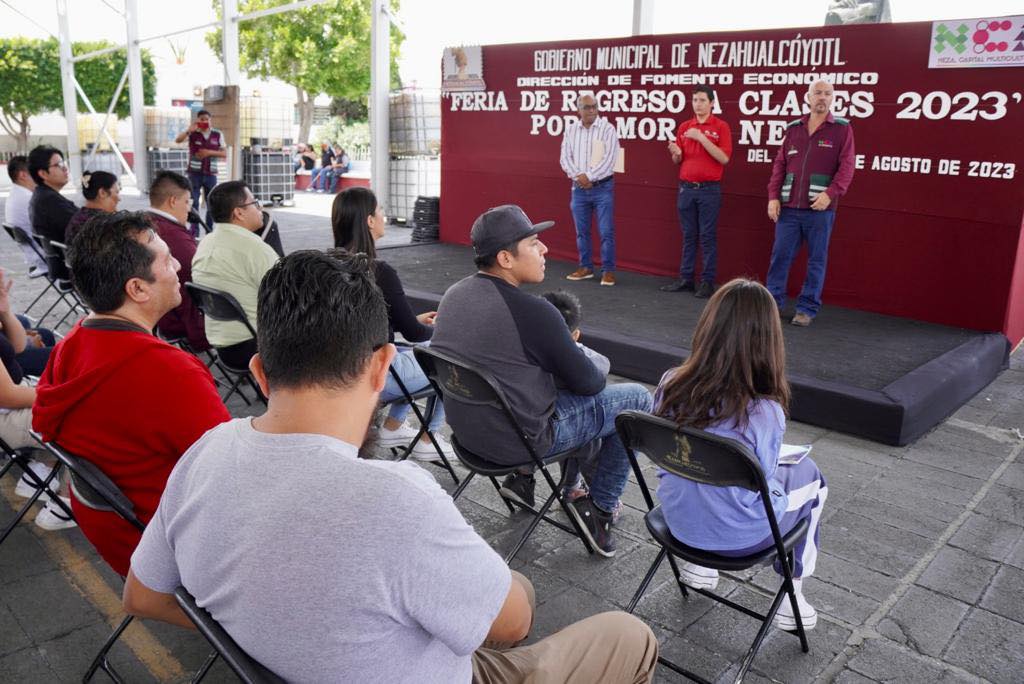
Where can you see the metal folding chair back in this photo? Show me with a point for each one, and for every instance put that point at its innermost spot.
(457, 380)
(248, 669)
(715, 461)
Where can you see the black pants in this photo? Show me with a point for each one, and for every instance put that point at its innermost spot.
(238, 355)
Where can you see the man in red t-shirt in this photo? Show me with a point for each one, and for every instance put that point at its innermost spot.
(112, 392)
(702, 148)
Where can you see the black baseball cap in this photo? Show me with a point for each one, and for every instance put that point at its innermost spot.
(501, 226)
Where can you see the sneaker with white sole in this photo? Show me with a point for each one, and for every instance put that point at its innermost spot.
(425, 451)
(399, 438)
(697, 576)
(51, 517)
(785, 620)
(26, 487)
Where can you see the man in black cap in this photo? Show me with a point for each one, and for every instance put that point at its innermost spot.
(558, 396)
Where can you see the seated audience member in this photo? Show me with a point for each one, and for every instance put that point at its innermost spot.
(16, 210)
(170, 198)
(102, 192)
(569, 306)
(233, 258)
(523, 341)
(734, 385)
(38, 347)
(49, 210)
(304, 158)
(115, 394)
(358, 222)
(400, 592)
(16, 399)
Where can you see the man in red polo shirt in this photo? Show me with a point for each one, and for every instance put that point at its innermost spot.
(702, 148)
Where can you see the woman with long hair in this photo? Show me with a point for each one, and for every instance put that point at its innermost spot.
(102, 192)
(358, 221)
(734, 385)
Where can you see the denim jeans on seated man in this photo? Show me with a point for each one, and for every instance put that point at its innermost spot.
(599, 199)
(579, 420)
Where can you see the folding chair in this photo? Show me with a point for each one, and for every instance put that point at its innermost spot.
(243, 665)
(423, 417)
(459, 381)
(716, 461)
(97, 491)
(222, 306)
(64, 284)
(22, 238)
(21, 458)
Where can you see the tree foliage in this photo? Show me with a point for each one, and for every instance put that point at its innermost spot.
(324, 49)
(30, 81)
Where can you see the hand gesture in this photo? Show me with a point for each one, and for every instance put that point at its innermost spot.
(5, 289)
(583, 181)
(193, 127)
(821, 202)
(774, 208)
(674, 150)
(694, 134)
(34, 339)
(427, 318)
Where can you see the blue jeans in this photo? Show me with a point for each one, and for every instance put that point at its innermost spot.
(698, 216)
(334, 177)
(794, 227)
(600, 199)
(579, 420)
(201, 183)
(414, 380)
(319, 175)
(33, 359)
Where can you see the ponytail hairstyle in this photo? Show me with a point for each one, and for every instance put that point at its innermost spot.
(94, 181)
(738, 355)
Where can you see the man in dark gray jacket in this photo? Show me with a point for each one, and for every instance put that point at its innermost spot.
(523, 341)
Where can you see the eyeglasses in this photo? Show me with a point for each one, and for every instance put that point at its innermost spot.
(247, 204)
(60, 165)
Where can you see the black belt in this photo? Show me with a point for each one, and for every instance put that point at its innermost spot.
(595, 183)
(697, 186)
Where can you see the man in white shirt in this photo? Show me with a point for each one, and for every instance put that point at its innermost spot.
(16, 210)
(589, 150)
(326, 567)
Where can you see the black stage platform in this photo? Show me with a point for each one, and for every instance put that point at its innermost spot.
(884, 378)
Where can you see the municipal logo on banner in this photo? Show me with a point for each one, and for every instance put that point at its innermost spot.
(965, 43)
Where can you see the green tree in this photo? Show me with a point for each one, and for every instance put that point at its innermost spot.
(30, 81)
(321, 49)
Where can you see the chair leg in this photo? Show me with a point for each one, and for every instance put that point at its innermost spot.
(458, 490)
(791, 591)
(556, 489)
(205, 669)
(101, 661)
(497, 488)
(679, 577)
(748, 659)
(647, 580)
(538, 516)
(41, 485)
(35, 301)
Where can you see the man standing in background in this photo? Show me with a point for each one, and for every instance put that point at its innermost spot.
(812, 170)
(205, 146)
(702, 148)
(589, 151)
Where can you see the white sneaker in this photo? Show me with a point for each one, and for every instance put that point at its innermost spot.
(400, 438)
(785, 620)
(51, 517)
(26, 487)
(425, 451)
(698, 577)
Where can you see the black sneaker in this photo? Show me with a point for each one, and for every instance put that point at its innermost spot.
(519, 487)
(596, 524)
(678, 286)
(705, 290)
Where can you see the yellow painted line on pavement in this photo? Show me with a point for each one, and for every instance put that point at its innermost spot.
(86, 579)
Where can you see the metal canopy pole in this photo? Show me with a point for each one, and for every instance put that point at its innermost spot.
(136, 94)
(643, 17)
(67, 82)
(380, 83)
(229, 42)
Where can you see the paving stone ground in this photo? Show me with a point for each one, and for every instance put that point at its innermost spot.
(921, 577)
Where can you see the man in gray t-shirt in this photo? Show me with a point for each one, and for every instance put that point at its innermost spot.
(327, 567)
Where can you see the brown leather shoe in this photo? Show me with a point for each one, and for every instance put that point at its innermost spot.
(608, 279)
(581, 274)
(801, 319)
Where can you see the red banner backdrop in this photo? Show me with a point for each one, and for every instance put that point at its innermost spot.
(930, 229)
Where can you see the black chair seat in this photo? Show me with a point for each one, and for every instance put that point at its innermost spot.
(658, 527)
(492, 469)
